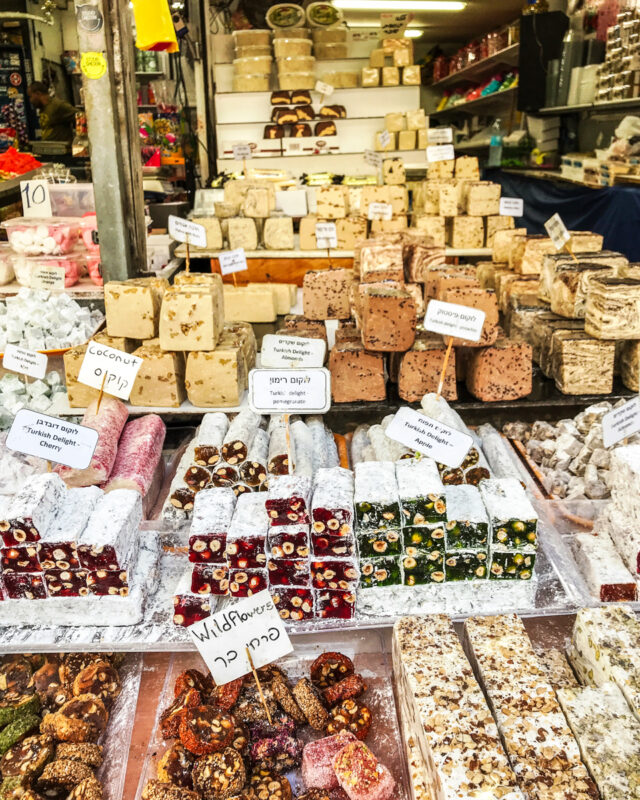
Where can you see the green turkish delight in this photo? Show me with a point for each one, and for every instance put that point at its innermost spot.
(22, 706)
(379, 543)
(383, 571)
(376, 496)
(511, 565)
(422, 539)
(421, 492)
(467, 524)
(466, 565)
(423, 568)
(17, 730)
(13, 787)
(514, 521)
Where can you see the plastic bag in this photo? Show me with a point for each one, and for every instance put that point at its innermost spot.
(154, 26)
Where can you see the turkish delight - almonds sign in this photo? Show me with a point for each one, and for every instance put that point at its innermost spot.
(187, 232)
(619, 423)
(252, 623)
(232, 261)
(25, 362)
(52, 438)
(326, 235)
(119, 367)
(453, 319)
(290, 391)
(429, 437)
(293, 352)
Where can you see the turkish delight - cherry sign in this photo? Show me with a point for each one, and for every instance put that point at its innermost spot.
(52, 438)
(223, 638)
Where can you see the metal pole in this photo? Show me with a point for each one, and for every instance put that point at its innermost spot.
(105, 34)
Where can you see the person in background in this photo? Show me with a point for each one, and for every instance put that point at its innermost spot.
(57, 117)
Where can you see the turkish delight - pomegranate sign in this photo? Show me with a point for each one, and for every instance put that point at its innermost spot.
(119, 367)
(621, 422)
(290, 391)
(52, 438)
(223, 638)
(452, 319)
(445, 445)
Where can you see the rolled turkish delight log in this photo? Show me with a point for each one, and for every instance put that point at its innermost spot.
(110, 539)
(289, 499)
(332, 506)
(421, 492)
(179, 503)
(33, 510)
(224, 475)
(139, 454)
(238, 438)
(253, 471)
(58, 544)
(303, 446)
(247, 535)
(387, 449)
(325, 451)
(502, 460)
(361, 445)
(108, 422)
(209, 438)
(282, 454)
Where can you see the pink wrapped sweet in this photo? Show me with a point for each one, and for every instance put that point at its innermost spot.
(89, 232)
(317, 760)
(361, 775)
(94, 268)
(139, 455)
(35, 237)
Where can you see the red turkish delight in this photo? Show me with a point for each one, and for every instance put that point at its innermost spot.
(293, 603)
(247, 582)
(327, 546)
(33, 510)
(317, 760)
(335, 604)
(21, 559)
(108, 582)
(288, 572)
(210, 579)
(332, 507)
(66, 582)
(94, 557)
(361, 775)
(247, 552)
(288, 499)
(208, 548)
(61, 555)
(289, 541)
(188, 608)
(334, 573)
(24, 585)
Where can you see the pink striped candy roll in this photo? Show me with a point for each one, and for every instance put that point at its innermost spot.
(139, 453)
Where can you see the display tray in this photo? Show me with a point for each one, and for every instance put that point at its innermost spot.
(60, 351)
(84, 289)
(369, 652)
(186, 409)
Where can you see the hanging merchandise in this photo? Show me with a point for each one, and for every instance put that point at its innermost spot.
(154, 26)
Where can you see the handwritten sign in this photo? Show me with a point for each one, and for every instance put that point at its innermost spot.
(290, 391)
(232, 261)
(511, 206)
(326, 235)
(223, 638)
(120, 368)
(394, 24)
(241, 152)
(52, 438)
(36, 200)
(440, 135)
(49, 278)
(372, 158)
(621, 422)
(325, 89)
(440, 152)
(428, 436)
(183, 230)
(384, 138)
(380, 211)
(292, 351)
(451, 319)
(557, 231)
(26, 362)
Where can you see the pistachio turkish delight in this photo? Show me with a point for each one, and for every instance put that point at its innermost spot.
(514, 521)
(420, 491)
(376, 497)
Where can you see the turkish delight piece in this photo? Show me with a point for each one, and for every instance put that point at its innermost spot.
(247, 533)
(24, 585)
(514, 521)
(58, 544)
(557, 667)
(253, 471)
(208, 548)
(325, 294)
(103, 582)
(66, 582)
(606, 576)
(376, 496)
(610, 311)
(209, 439)
(361, 775)
(388, 319)
(108, 421)
(420, 491)
(423, 539)
(326, 546)
(108, 541)
(139, 455)
(59, 555)
(383, 571)
(288, 572)
(197, 478)
(282, 453)
(466, 565)
(325, 454)
(467, 525)
(334, 573)
(210, 579)
(33, 510)
(180, 497)
(509, 564)
(247, 582)
(303, 447)
(212, 514)
(500, 372)
(332, 505)
(239, 436)
(189, 607)
(20, 559)
(294, 603)
(356, 373)
(335, 603)
(289, 499)
(379, 543)
(289, 541)
(423, 568)
(317, 760)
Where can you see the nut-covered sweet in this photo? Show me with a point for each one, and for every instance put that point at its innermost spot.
(49, 687)
(16, 678)
(172, 716)
(66, 729)
(88, 789)
(73, 663)
(155, 790)
(267, 785)
(27, 758)
(100, 679)
(86, 753)
(206, 729)
(241, 739)
(219, 775)
(330, 668)
(192, 679)
(64, 773)
(350, 716)
(175, 767)
(308, 700)
(348, 688)
(286, 700)
(226, 696)
(89, 708)
(249, 707)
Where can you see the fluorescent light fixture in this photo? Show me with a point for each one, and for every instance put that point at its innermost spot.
(412, 33)
(399, 5)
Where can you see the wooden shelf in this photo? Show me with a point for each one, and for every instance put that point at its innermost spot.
(476, 73)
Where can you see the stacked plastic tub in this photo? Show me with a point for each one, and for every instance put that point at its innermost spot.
(253, 61)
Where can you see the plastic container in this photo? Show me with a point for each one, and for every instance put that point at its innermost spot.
(323, 36)
(252, 50)
(50, 236)
(296, 64)
(71, 199)
(299, 33)
(73, 265)
(326, 50)
(257, 65)
(251, 83)
(94, 268)
(323, 15)
(297, 80)
(6, 267)
(89, 233)
(251, 37)
(292, 47)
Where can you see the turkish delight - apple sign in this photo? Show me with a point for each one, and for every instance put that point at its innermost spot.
(621, 422)
(429, 437)
(453, 319)
(290, 391)
(119, 367)
(223, 638)
(52, 438)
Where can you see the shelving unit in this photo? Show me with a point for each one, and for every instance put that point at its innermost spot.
(613, 105)
(476, 73)
(483, 105)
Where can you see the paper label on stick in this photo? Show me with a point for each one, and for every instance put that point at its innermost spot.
(49, 278)
(440, 152)
(52, 438)
(26, 362)
(223, 638)
(326, 235)
(323, 88)
(372, 158)
(440, 135)
(290, 391)
(380, 211)
(182, 230)
(241, 152)
(621, 422)
(291, 351)
(120, 368)
(384, 138)
(511, 206)
(232, 261)
(36, 200)
(451, 319)
(557, 231)
(428, 436)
